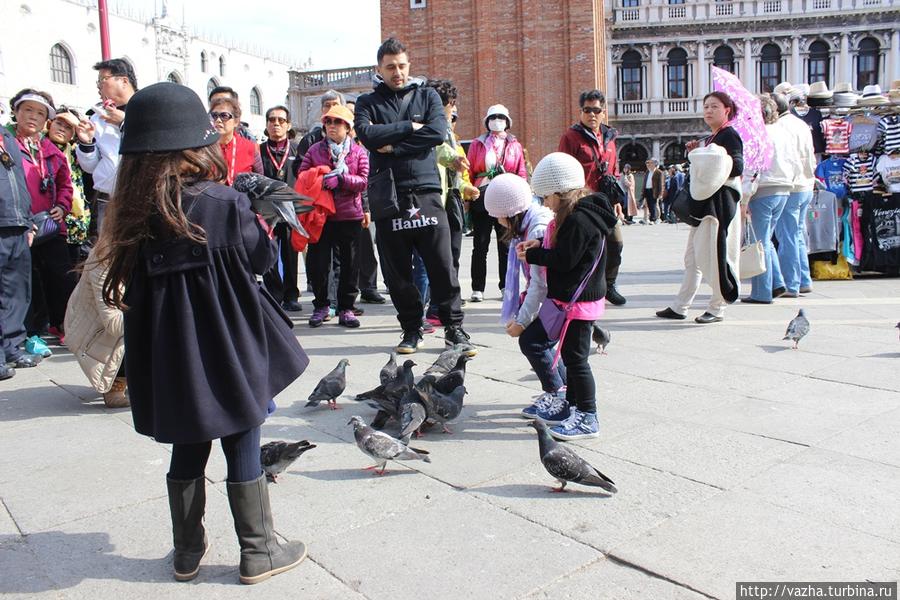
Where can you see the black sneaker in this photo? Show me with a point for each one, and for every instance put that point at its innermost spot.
(410, 342)
(613, 295)
(291, 306)
(455, 335)
(371, 297)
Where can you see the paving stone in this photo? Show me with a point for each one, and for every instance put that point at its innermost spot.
(875, 440)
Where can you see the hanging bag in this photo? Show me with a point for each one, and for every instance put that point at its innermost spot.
(553, 316)
(753, 255)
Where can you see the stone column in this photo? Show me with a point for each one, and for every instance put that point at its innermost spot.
(749, 74)
(655, 73)
(894, 72)
(796, 63)
(845, 65)
(702, 70)
(655, 152)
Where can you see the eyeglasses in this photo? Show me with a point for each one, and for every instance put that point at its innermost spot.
(277, 120)
(591, 110)
(329, 121)
(100, 80)
(223, 116)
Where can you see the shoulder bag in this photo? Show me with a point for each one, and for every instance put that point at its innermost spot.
(753, 255)
(553, 317)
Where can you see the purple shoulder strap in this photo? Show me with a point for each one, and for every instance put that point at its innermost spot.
(584, 281)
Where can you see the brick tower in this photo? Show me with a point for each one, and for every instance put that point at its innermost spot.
(534, 56)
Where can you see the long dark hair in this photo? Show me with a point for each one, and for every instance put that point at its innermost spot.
(567, 203)
(514, 229)
(146, 204)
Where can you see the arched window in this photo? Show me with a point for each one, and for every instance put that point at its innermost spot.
(255, 102)
(867, 63)
(674, 154)
(769, 68)
(819, 62)
(676, 74)
(633, 154)
(631, 80)
(61, 65)
(173, 77)
(211, 85)
(723, 57)
(204, 62)
(222, 66)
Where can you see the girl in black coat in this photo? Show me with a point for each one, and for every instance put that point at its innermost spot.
(206, 347)
(574, 253)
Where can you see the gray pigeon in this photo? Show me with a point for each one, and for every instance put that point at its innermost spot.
(331, 386)
(601, 337)
(389, 370)
(447, 360)
(412, 415)
(274, 200)
(278, 456)
(382, 447)
(443, 407)
(450, 381)
(797, 328)
(565, 465)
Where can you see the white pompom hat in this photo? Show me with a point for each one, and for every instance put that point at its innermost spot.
(507, 195)
(557, 172)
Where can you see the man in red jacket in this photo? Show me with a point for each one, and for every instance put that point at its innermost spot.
(593, 144)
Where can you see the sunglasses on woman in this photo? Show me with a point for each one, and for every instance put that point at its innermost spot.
(334, 122)
(224, 116)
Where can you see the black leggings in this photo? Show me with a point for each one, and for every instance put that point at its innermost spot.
(241, 454)
(580, 387)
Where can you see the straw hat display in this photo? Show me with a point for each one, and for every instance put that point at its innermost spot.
(872, 96)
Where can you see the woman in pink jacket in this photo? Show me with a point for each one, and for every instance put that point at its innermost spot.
(49, 183)
(347, 180)
(490, 154)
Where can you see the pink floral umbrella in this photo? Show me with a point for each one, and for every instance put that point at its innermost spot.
(749, 123)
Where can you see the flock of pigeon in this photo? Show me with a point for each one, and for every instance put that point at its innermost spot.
(437, 399)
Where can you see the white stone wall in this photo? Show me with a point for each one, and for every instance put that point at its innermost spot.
(155, 49)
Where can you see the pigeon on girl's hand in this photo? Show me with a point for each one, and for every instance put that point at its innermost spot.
(331, 386)
(601, 337)
(797, 328)
(562, 462)
(382, 447)
(278, 456)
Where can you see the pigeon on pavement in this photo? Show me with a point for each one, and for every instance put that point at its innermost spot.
(331, 386)
(601, 337)
(278, 456)
(447, 360)
(389, 370)
(561, 462)
(450, 381)
(412, 415)
(797, 328)
(382, 447)
(443, 407)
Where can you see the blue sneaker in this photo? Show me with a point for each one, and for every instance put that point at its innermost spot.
(541, 402)
(579, 425)
(35, 345)
(555, 413)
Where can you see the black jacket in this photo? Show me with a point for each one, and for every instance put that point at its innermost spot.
(15, 201)
(317, 134)
(378, 123)
(290, 166)
(206, 346)
(577, 243)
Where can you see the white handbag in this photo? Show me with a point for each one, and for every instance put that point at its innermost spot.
(753, 255)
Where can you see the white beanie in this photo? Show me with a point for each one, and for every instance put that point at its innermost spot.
(507, 195)
(498, 109)
(557, 172)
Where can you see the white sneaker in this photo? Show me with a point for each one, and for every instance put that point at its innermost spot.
(477, 296)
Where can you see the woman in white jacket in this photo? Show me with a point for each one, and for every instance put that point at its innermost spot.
(95, 335)
(767, 204)
(509, 199)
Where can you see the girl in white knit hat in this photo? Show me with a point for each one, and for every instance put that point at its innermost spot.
(573, 252)
(509, 200)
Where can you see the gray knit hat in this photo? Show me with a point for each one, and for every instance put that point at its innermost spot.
(557, 172)
(507, 195)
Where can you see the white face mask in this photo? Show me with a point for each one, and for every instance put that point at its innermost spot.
(497, 124)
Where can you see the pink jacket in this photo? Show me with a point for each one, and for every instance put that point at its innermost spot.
(348, 205)
(513, 161)
(56, 167)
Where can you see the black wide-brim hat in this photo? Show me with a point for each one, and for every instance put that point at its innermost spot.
(818, 102)
(165, 117)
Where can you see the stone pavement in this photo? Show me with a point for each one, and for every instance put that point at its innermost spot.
(736, 459)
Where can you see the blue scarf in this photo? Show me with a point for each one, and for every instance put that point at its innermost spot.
(338, 154)
(511, 300)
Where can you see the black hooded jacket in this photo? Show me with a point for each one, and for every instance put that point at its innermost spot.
(378, 123)
(577, 243)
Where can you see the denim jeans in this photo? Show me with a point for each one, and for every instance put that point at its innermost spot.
(791, 242)
(420, 278)
(805, 277)
(764, 214)
(540, 354)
